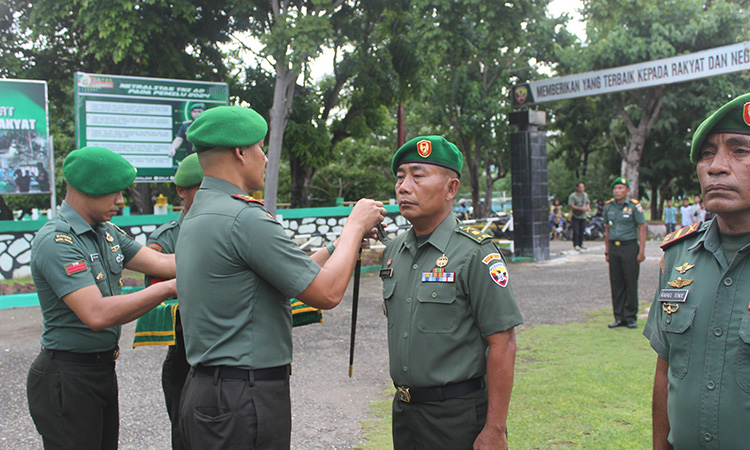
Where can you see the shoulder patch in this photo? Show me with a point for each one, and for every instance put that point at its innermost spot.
(63, 239)
(474, 234)
(156, 247)
(248, 199)
(121, 231)
(679, 235)
(634, 201)
(608, 201)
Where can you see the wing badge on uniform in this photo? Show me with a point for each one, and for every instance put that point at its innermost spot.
(680, 282)
(684, 268)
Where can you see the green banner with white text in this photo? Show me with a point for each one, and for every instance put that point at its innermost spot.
(24, 137)
(143, 119)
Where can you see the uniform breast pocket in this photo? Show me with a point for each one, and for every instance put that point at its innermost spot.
(743, 353)
(389, 286)
(438, 310)
(679, 329)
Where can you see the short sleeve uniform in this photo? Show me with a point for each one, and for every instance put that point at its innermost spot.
(623, 219)
(236, 271)
(705, 339)
(441, 298)
(69, 254)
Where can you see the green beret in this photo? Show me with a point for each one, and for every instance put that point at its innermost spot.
(227, 126)
(429, 150)
(98, 171)
(198, 105)
(620, 180)
(190, 172)
(733, 117)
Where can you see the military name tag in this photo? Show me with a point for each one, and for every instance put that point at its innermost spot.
(386, 273)
(673, 295)
(94, 257)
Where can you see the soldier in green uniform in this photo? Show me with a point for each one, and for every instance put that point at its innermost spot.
(237, 269)
(451, 312)
(625, 250)
(187, 180)
(77, 260)
(699, 322)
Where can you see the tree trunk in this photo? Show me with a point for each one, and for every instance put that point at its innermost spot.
(301, 179)
(283, 93)
(141, 195)
(5, 212)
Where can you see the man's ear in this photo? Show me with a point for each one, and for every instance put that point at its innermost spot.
(453, 184)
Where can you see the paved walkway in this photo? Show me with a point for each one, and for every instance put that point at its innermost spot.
(327, 405)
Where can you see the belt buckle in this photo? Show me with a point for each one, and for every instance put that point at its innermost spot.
(116, 354)
(618, 243)
(403, 394)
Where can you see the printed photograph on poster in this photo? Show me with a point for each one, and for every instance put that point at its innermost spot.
(24, 137)
(143, 119)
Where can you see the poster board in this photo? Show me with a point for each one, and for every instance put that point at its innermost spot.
(140, 118)
(24, 137)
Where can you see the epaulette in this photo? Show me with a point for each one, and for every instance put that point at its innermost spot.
(63, 226)
(608, 201)
(679, 235)
(634, 201)
(121, 231)
(474, 234)
(162, 229)
(248, 199)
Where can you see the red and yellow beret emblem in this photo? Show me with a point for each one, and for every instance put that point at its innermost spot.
(746, 113)
(424, 148)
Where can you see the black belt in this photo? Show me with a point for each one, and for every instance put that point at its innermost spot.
(619, 243)
(83, 358)
(271, 373)
(438, 394)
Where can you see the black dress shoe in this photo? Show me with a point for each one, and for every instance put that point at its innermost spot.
(616, 323)
(631, 324)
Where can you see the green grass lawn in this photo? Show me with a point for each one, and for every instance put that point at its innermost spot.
(577, 386)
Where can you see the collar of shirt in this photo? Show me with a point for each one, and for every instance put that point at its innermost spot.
(77, 223)
(221, 185)
(438, 239)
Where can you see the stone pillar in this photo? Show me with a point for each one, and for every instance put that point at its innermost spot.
(530, 186)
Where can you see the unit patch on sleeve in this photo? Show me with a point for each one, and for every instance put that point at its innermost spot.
(75, 267)
(499, 274)
(156, 247)
(63, 238)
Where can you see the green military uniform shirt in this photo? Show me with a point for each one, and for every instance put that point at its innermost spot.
(623, 219)
(580, 200)
(236, 270)
(164, 239)
(438, 316)
(705, 339)
(69, 254)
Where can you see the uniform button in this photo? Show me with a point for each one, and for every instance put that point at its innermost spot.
(405, 368)
(669, 319)
(707, 437)
(415, 267)
(406, 334)
(408, 299)
(727, 281)
(717, 332)
(434, 294)
(711, 385)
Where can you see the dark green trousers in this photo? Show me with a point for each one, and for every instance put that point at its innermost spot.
(74, 406)
(173, 374)
(624, 269)
(452, 424)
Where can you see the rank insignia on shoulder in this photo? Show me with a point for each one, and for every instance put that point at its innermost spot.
(63, 238)
(75, 267)
(248, 199)
(474, 234)
(679, 235)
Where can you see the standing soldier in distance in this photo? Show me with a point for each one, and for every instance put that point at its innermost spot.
(237, 269)
(699, 322)
(77, 260)
(187, 180)
(451, 312)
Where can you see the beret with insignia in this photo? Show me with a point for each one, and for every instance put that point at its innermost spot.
(733, 117)
(620, 180)
(189, 173)
(429, 150)
(227, 126)
(98, 171)
(197, 106)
